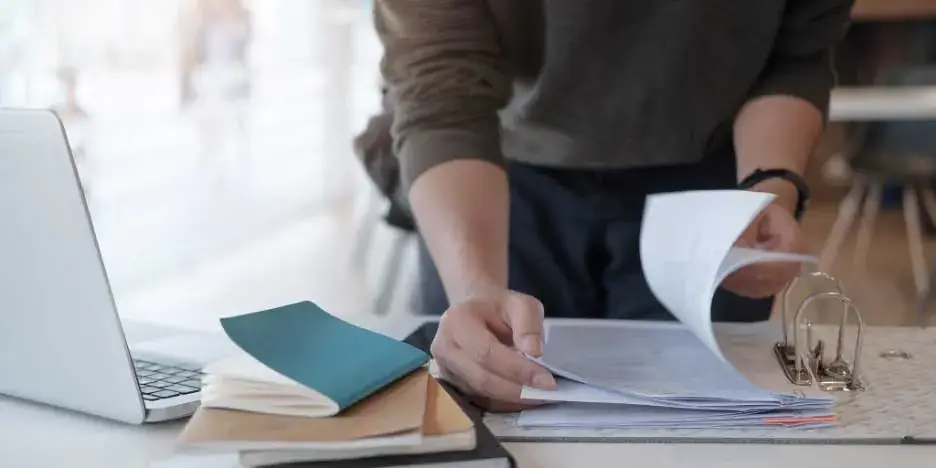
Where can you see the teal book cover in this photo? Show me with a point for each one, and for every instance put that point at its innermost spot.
(340, 360)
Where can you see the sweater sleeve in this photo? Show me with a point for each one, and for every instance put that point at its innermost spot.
(801, 63)
(447, 79)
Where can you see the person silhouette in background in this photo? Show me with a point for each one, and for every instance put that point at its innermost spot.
(530, 132)
(215, 73)
(216, 38)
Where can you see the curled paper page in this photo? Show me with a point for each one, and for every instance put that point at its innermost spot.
(687, 250)
(690, 374)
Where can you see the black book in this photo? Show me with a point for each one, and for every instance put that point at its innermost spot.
(488, 453)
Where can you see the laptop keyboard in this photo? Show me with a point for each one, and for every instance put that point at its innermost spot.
(161, 381)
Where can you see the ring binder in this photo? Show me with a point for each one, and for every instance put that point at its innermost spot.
(806, 364)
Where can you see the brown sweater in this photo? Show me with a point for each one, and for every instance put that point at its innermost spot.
(593, 83)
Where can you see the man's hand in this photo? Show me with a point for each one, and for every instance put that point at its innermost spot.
(775, 230)
(480, 344)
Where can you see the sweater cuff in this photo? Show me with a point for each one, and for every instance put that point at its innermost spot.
(421, 151)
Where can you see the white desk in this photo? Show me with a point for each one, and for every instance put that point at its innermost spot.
(875, 103)
(37, 436)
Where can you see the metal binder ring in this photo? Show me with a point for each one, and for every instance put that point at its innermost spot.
(784, 299)
(839, 362)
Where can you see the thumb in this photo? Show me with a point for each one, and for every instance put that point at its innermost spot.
(524, 316)
(778, 231)
(749, 237)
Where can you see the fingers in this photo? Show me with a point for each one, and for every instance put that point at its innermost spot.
(483, 349)
(750, 235)
(512, 403)
(779, 231)
(468, 348)
(783, 234)
(775, 230)
(479, 382)
(524, 315)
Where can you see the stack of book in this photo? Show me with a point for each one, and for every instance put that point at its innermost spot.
(313, 390)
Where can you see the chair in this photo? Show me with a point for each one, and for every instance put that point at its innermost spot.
(398, 217)
(900, 152)
(374, 150)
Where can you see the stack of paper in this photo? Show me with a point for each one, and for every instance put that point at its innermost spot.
(629, 374)
(310, 387)
(679, 375)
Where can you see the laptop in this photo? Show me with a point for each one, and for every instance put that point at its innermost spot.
(61, 340)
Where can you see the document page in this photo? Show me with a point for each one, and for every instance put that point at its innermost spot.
(644, 361)
(687, 250)
(664, 364)
(686, 373)
(665, 361)
(740, 257)
(646, 417)
(639, 374)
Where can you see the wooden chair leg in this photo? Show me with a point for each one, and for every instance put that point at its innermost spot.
(848, 211)
(911, 205)
(924, 300)
(872, 205)
(929, 204)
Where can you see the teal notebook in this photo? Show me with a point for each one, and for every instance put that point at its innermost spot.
(301, 360)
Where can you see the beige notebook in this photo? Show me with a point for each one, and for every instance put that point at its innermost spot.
(446, 428)
(391, 417)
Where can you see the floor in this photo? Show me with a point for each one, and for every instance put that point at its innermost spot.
(222, 209)
(883, 290)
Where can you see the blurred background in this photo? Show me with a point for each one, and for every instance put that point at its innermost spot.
(213, 139)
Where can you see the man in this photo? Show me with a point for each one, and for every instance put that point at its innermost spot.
(529, 133)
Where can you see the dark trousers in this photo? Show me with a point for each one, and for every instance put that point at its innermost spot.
(574, 241)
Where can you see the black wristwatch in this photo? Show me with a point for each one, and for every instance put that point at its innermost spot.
(802, 188)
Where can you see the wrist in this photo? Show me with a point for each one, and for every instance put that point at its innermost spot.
(789, 188)
(786, 194)
(477, 288)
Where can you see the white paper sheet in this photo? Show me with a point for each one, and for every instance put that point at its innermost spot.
(687, 374)
(627, 417)
(740, 257)
(687, 249)
(659, 360)
(570, 391)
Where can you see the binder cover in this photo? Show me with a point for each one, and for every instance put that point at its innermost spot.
(897, 405)
(890, 399)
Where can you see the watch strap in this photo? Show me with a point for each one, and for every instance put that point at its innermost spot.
(802, 188)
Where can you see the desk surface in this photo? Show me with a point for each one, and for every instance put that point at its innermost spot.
(38, 436)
